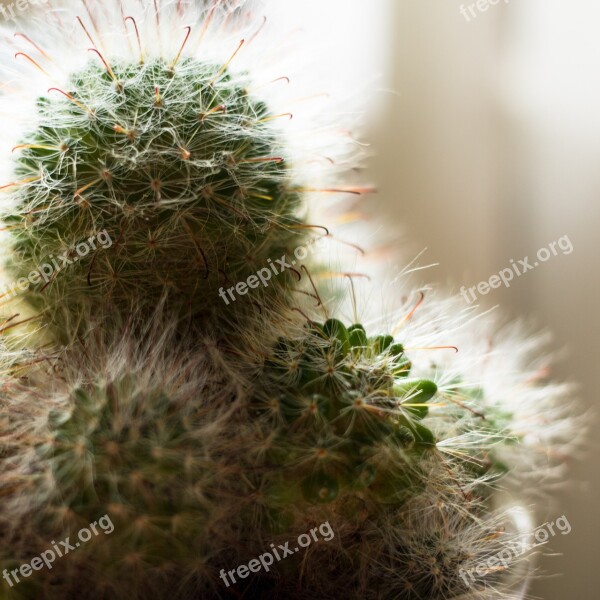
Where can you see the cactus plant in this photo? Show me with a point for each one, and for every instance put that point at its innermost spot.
(176, 162)
(212, 432)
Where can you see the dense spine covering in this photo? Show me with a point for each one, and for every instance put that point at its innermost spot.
(177, 164)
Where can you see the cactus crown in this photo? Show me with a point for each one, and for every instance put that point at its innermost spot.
(178, 164)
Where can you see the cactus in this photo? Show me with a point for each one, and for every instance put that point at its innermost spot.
(180, 168)
(337, 407)
(127, 434)
(211, 432)
(199, 470)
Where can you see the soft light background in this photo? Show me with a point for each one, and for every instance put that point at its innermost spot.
(490, 151)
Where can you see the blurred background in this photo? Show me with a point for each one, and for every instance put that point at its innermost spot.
(484, 121)
(491, 151)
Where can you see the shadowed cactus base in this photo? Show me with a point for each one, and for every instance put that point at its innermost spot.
(199, 472)
(144, 436)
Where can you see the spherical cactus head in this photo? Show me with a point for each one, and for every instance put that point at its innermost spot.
(349, 418)
(151, 181)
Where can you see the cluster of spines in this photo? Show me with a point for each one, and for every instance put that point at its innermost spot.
(341, 400)
(181, 167)
(135, 433)
(351, 436)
